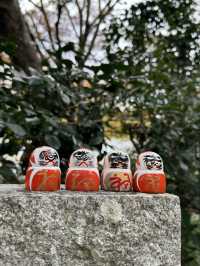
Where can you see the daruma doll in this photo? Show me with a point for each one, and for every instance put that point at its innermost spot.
(83, 174)
(116, 174)
(149, 176)
(43, 173)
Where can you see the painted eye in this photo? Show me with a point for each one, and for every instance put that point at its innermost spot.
(114, 156)
(124, 158)
(78, 154)
(41, 156)
(44, 155)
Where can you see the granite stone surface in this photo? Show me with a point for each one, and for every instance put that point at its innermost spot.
(77, 228)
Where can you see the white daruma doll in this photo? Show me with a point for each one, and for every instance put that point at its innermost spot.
(149, 176)
(43, 173)
(116, 174)
(83, 174)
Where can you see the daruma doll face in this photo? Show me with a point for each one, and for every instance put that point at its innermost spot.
(150, 161)
(83, 158)
(43, 173)
(118, 160)
(44, 156)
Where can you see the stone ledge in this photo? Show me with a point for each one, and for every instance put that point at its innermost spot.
(86, 228)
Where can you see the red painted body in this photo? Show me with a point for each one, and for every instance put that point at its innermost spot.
(82, 180)
(41, 179)
(150, 183)
(117, 181)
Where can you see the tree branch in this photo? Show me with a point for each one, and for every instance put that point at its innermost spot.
(38, 36)
(34, 4)
(92, 42)
(34, 41)
(80, 18)
(104, 12)
(88, 12)
(135, 144)
(71, 21)
(59, 14)
(87, 24)
(36, 31)
(47, 24)
(99, 5)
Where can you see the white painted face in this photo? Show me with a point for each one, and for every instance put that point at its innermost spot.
(119, 160)
(83, 158)
(149, 161)
(44, 156)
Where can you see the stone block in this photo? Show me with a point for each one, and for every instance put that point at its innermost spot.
(88, 228)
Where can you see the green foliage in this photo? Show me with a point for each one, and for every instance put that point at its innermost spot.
(153, 56)
(8, 46)
(40, 110)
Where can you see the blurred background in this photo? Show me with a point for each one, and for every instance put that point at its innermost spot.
(105, 74)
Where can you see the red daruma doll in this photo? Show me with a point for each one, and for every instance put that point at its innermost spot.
(83, 174)
(116, 175)
(149, 176)
(43, 173)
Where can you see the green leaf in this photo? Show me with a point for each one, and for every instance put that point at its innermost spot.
(53, 141)
(65, 98)
(18, 130)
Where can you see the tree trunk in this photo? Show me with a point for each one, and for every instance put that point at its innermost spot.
(13, 30)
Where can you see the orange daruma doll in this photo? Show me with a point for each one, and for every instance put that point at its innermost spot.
(43, 173)
(116, 175)
(149, 176)
(83, 174)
